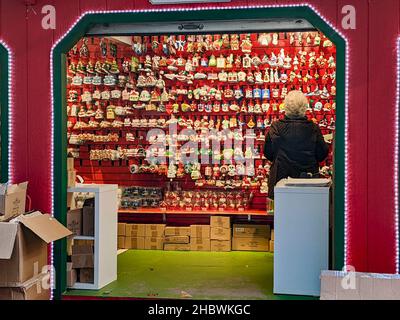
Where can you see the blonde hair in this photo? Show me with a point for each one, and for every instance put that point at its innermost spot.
(295, 104)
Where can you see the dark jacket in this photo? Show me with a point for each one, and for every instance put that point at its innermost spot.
(294, 146)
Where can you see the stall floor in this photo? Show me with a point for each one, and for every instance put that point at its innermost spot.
(190, 275)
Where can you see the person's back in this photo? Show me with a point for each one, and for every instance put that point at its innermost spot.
(294, 144)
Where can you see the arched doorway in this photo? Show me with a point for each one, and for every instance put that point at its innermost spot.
(59, 164)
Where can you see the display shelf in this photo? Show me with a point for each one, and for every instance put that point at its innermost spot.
(83, 238)
(208, 212)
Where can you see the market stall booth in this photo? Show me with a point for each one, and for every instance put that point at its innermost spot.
(366, 224)
(175, 114)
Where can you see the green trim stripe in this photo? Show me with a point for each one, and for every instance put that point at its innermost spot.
(4, 105)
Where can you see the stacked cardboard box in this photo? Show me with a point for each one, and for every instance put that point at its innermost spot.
(83, 261)
(251, 237)
(74, 221)
(200, 238)
(177, 238)
(271, 242)
(154, 237)
(71, 173)
(131, 236)
(23, 256)
(220, 233)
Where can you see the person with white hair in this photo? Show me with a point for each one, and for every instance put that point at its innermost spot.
(294, 144)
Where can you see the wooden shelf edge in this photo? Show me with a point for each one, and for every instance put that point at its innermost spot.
(183, 212)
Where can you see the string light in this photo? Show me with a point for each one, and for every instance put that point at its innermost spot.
(346, 138)
(396, 158)
(10, 110)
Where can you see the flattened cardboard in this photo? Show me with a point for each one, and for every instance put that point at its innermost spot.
(8, 232)
(88, 221)
(72, 275)
(271, 245)
(46, 227)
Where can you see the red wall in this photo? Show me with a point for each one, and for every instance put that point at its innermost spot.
(371, 108)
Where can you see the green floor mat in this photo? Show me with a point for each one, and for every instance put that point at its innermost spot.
(194, 275)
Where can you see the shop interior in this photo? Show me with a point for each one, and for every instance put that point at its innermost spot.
(196, 228)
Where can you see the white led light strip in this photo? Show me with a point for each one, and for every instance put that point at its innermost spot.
(346, 186)
(396, 158)
(10, 110)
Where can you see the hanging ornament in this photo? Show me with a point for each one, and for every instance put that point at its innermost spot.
(84, 50)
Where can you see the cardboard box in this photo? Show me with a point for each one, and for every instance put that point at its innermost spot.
(134, 243)
(70, 164)
(121, 242)
(272, 234)
(88, 221)
(121, 229)
(271, 245)
(32, 289)
(200, 244)
(155, 230)
(71, 179)
(71, 204)
(220, 222)
(135, 230)
(82, 260)
(176, 246)
(176, 239)
(220, 245)
(72, 275)
(74, 221)
(251, 231)
(177, 231)
(23, 246)
(200, 231)
(154, 243)
(250, 244)
(86, 275)
(12, 200)
(220, 234)
(70, 243)
(82, 248)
